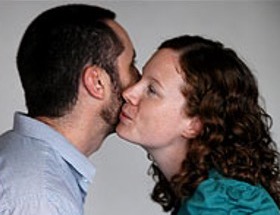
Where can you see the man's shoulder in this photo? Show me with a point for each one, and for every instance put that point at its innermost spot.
(23, 155)
(33, 173)
(30, 166)
(39, 204)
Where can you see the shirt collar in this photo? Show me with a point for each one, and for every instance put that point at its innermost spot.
(28, 126)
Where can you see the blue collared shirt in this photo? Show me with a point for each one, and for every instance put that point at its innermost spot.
(41, 173)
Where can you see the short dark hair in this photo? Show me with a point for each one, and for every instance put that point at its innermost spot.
(56, 47)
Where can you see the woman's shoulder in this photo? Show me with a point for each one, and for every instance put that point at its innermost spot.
(220, 195)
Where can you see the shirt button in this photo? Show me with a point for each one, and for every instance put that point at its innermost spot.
(85, 180)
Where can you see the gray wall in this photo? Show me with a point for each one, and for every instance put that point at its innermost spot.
(252, 28)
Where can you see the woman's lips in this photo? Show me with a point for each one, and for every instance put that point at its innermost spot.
(124, 116)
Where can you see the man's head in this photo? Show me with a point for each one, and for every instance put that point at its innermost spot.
(55, 50)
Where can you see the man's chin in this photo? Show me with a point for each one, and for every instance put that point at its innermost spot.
(111, 125)
(112, 129)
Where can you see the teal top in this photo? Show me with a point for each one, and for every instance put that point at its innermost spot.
(218, 195)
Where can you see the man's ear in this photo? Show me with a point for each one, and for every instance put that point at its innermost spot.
(93, 81)
(192, 128)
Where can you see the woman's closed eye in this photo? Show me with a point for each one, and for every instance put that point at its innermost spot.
(151, 90)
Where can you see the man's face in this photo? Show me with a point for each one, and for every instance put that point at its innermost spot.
(128, 75)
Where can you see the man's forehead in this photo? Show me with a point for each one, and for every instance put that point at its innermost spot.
(118, 29)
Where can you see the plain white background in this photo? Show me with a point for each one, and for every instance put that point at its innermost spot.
(121, 185)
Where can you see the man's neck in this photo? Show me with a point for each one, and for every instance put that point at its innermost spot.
(86, 135)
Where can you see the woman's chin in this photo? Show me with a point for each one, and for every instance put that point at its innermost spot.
(126, 136)
(122, 133)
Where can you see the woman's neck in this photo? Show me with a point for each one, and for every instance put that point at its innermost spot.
(169, 159)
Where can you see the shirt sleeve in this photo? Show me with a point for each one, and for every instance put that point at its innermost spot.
(32, 205)
(223, 197)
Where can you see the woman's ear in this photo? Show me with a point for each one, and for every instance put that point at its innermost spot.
(93, 81)
(192, 128)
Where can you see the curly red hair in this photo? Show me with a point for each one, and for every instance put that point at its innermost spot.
(235, 138)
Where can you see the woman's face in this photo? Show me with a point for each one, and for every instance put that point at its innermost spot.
(153, 115)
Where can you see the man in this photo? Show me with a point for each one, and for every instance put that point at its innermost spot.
(73, 61)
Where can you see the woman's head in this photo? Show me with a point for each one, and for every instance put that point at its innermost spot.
(214, 114)
(189, 81)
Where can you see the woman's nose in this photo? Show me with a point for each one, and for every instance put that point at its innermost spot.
(130, 95)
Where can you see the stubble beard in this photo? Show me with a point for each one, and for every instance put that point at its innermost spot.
(111, 110)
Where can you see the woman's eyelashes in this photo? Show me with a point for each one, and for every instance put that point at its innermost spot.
(151, 90)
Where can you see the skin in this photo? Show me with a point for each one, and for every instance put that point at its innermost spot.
(153, 115)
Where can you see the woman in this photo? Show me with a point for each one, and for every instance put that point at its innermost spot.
(196, 112)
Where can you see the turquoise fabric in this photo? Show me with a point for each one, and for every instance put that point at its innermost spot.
(224, 196)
